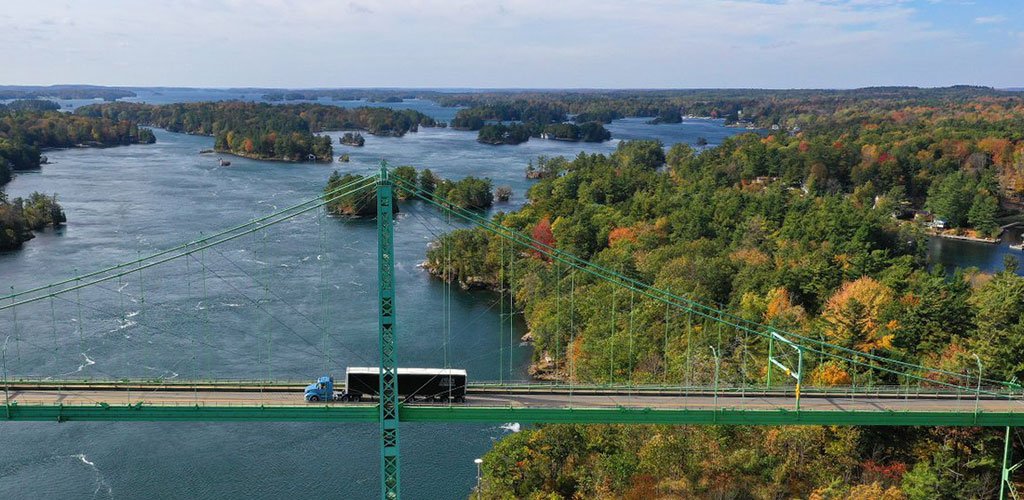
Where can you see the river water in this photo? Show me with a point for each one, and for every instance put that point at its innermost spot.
(251, 309)
(986, 257)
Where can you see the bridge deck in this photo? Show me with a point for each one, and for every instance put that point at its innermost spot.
(490, 405)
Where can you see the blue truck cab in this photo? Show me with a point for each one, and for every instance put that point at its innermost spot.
(321, 390)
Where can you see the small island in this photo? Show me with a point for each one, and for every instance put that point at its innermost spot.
(496, 134)
(352, 139)
(668, 115)
(516, 122)
(363, 204)
(20, 217)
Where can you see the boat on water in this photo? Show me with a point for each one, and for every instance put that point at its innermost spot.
(224, 163)
(1018, 247)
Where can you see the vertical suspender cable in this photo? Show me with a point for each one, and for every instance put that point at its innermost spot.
(78, 304)
(206, 305)
(558, 315)
(511, 308)
(53, 326)
(195, 333)
(448, 314)
(142, 293)
(322, 257)
(268, 275)
(611, 342)
(14, 325)
(664, 356)
(501, 314)
(720, 324)
(629, 360)
(123, 325)
(449, 276)
(572, 333)
(689, 350)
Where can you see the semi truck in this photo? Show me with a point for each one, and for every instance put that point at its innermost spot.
(414, 384)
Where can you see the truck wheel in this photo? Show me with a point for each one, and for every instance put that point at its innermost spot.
(344, 397)
(314, 398)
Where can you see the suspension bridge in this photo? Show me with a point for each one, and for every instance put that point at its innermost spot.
(744, 373)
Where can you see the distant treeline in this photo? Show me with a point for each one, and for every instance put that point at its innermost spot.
(27, 127)
(63, 92)
(265, 131)
(756, 106)
(335, 95)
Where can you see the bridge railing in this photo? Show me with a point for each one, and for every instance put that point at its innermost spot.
(724, 389)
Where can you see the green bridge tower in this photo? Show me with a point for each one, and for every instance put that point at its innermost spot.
(389, 463)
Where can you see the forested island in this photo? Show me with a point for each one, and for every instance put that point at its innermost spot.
(469, 192)
(284, 132)
(802, 229)
(20, 217)
(353, 139)
(29, 126)
(514, 122)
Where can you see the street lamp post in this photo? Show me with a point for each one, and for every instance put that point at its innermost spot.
(977, 393)
(718, 365)
(7, 391)
(478, 462)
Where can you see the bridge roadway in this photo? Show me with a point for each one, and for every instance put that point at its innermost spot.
(210, 402)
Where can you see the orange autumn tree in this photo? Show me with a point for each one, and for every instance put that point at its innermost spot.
(781, 310)
(854, 315)
(621, 234)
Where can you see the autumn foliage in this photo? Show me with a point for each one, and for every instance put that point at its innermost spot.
(830, 374)
(621, 234)
(543, 237)
(855, 315)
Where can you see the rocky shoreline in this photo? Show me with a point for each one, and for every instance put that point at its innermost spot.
(545, 368)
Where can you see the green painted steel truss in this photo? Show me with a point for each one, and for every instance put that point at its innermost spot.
(477, 414)
(388, 329)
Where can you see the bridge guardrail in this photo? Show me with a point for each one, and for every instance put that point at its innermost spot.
(537, 387)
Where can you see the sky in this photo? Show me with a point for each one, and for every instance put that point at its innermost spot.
(513, 43)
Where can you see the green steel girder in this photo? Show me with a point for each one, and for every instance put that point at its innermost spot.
(477, 414)
(720, 416)
(156, 413)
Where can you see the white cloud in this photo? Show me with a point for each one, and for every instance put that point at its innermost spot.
(997, 19)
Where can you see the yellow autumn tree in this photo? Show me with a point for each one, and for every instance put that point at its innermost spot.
(854, 315)
(875, 491)
(830, 374)
(781, 310)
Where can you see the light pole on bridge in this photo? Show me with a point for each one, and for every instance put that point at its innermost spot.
(977, 393)
(718, 365)
(7, 390)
